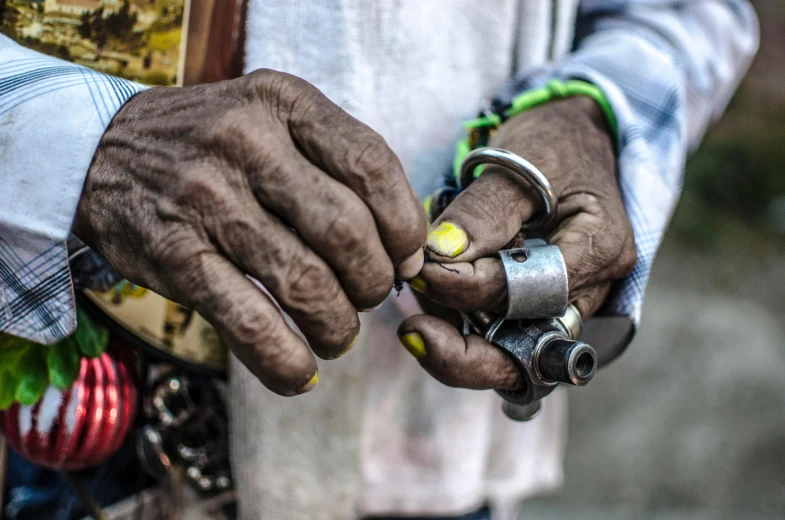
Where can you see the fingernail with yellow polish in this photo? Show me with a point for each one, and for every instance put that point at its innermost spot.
(418, 284)
(447, 239)
(347, 349)
(414, 343)
(310, 384)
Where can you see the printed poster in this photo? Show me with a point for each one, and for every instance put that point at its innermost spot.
(140, 40)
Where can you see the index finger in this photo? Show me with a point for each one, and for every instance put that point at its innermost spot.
(353, 154)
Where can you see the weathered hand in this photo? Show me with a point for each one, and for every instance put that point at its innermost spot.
(191, 189)
(569, 142)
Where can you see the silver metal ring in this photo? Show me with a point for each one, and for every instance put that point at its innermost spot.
(536, 281)
(572, 321)
(527, 170)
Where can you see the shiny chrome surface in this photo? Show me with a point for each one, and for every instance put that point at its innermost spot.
(527, 170)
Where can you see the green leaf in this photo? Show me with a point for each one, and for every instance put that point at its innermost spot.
(26, 368)
(8, 384)
(91, 337)
(9, 342)
(31, 370)
(62, 360)
(9, 356)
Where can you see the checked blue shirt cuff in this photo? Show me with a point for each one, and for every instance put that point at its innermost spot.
(52, 116)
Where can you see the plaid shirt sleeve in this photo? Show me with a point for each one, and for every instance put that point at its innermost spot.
(52, 116)
(668, 68)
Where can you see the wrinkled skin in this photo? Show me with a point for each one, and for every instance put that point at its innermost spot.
(570, 143)
(191, 189)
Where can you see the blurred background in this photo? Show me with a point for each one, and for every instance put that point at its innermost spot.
(690, 422)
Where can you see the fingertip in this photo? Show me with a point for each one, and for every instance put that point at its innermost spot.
(448, 239)
(332, 332)
(347, 349)
(414, 343)
(309, 385)
(453, 359)
(411, 265)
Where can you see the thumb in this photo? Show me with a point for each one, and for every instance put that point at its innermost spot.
(483, 218)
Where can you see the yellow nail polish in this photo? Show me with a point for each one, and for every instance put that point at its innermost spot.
(418, 284)
(447, 239)
(347, 349)
(310, 384)
(414, 343)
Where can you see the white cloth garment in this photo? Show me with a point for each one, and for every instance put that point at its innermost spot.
(413, 70)
(378, 436)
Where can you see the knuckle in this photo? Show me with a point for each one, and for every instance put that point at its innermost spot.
(240, 139)
(287, 92)
(176, 249)
(230, 129)
(626, 257)
(230, 227)
(347, 228)
(309, 286)
(268, 80)
(206, 194)
(250, 328)
(482, 207)
(260, 77)
(188, 267)
(374, 166)
(510, 378)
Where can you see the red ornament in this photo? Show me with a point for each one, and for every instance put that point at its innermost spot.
(81, 426)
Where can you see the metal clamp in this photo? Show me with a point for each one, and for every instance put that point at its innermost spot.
(526, 170)
(536, 281)
(547, 353)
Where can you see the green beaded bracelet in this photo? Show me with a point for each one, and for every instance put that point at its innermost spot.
(554, 89)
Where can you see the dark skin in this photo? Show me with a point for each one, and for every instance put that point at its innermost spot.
(194, 189)
(191, 189)
(569, 141)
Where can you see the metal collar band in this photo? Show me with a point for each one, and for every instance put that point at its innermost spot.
(536, 281)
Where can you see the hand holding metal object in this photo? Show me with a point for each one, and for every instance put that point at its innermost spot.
(539, 330)
(546, 351)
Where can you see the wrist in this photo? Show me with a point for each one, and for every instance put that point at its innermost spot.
(562, 138)
(588, 96)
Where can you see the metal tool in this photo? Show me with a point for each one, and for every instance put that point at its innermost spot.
(536, 281)
(187, 428)
(546, 351)
(539, 330)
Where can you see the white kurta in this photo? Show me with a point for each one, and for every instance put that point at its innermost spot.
(378, 434)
